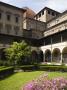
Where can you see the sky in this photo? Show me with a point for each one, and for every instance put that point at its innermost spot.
(37, 5)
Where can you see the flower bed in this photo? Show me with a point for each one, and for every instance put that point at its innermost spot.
(43, 83)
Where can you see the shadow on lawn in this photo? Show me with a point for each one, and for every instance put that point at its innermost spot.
(2, 77)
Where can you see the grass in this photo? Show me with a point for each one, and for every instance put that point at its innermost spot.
(16, 81)
(57, 74)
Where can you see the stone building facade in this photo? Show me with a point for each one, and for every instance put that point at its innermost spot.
(45, 31)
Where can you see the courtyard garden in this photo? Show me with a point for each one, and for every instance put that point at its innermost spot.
(19, 72)
(18, 80)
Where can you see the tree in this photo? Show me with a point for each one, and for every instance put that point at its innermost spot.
(17, 51)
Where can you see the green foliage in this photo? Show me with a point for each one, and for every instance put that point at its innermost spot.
(4, 68)
(1, 62)
(17, 80)
(44, 67)
(27, 67)
(4, 63)
(53, 68)
(17, 51)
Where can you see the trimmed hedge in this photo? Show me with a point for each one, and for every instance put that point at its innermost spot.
(53, 68)
(2, 67)
(4, 72)
(44, 67)
(27, 67)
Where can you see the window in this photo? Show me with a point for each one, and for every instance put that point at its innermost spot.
(0, 15)
(53, 14)
(43, 12)
(36, 17)
(8, 17)
(17, 16)
(17, 19)
(48, 12)
(40, 15)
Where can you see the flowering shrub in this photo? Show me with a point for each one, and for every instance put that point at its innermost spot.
(43, 83)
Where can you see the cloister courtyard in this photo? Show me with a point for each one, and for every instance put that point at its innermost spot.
(18, 80)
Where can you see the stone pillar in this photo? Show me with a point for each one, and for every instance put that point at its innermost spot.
(51, 49)
(61, 59)
(43, 57)
(61, 38)
(51, 56)
(0, 54)
(61, 52)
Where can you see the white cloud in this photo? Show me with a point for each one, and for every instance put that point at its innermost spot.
(7, 1)
(38, 1)
(37, 5)
(59, 5)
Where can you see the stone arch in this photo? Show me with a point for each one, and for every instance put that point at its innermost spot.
(48, 55)
(2, 54)
(34, 56)
(64, 55)
(40, 56)
(56, 55)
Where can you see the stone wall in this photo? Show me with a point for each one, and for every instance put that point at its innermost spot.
(13, 26)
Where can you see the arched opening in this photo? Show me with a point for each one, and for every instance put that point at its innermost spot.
(40, 56)
(64, 55)
(34, 56)
(47, 56)
(2, 54)
(56, 55)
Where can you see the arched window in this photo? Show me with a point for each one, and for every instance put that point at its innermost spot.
(48, 55)
(56, 55)
(40, 55)
(64, 55)
(34, 56)
(2, 54)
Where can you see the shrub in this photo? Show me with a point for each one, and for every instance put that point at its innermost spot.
(43, 83)
(44, 67)
(17, 52)
(1, 63)
(4, 63)
(6, 71)
(27, 67)
(53, 68)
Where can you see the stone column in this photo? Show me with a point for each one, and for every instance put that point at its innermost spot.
(51, 56)
(61, 59)
(43, 57)
(61, 38)
(0, 54)
(51, 49)
(61, 52)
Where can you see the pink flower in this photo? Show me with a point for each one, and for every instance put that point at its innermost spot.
(43, 83)
(28, 86)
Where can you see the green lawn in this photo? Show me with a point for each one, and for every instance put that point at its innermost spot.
(17, 80)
